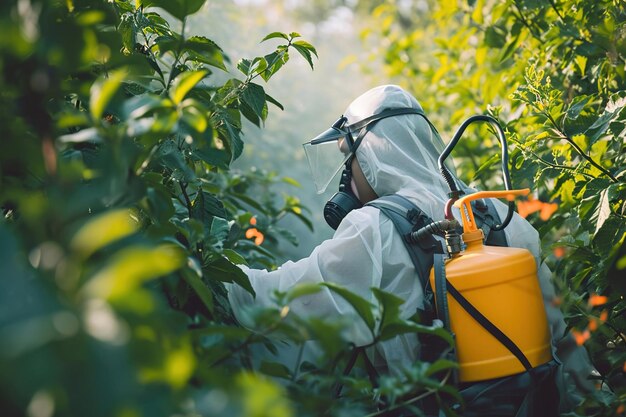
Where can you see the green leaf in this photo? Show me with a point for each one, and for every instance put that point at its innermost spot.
(275, 369)
(389, 306)
(213, 157)
(404, 327)
(193, 277)
(184, 83)
(195, 119)
(307, 222)
(291, 181)
(224, 270)
(441, 365)
(510, 49)
(133, 266)
(219, 228)
(206, 51)
(275, 61)
(275, 35)
(301, 290)
(602, 211)
(103, 230)
(495, 37)
(577, 106)
(274, 101)
(84, 135)
(232, 139)
(103, 90)
(254, 96)
(177, 8)
(362, 307)
(305, 53)
(305, 49)
(172, 158)
(609, 234)
(234, 257)
(206, 205)
(128, 31)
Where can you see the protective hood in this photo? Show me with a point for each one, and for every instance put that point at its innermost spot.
(399, 154)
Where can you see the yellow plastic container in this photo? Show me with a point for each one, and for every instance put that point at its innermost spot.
(502, 283)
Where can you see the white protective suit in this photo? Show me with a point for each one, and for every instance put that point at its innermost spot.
(398, 155)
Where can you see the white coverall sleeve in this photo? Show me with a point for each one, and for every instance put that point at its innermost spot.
(352, 259)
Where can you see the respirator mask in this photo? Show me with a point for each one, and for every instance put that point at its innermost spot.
(335, 148)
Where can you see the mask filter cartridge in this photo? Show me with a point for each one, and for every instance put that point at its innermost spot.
(342, 202)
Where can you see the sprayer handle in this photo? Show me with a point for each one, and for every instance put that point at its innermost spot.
(467, 215)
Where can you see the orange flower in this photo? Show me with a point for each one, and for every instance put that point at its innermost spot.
(593, 324)
(559, 252)
(253, 233)
(581, 337)
(604, 316)
(547, 209)
(525, 208)
(620, 409)
(528, 207)
(597, 300)
(253, 221)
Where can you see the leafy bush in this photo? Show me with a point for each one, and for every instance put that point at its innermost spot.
(114, 172)
(553, 73)
(122, 221)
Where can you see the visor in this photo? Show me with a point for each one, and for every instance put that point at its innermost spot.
(327, 153)
(331, 149)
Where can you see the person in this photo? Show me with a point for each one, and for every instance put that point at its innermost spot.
(395, 154)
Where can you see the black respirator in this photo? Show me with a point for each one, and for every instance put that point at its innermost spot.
(344, 200)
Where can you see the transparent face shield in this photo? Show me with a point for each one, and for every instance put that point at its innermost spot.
(327, 153)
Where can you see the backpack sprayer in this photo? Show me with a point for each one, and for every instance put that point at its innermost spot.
(487, 296)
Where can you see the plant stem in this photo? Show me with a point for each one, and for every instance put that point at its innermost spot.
(183, 188)
(412, 400)
(525, 22)
(582, 153)
(556, 10)
(557, 166)
(178, 54)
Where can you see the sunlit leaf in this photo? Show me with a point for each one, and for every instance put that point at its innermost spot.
(275, 35)
(103, 230)
(102, 92)
(262, 397)
(131, 267)
(206, 51)
(184, 83)
(301, 290)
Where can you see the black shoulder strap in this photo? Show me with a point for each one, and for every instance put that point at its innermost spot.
(406, 217)
(443, 287)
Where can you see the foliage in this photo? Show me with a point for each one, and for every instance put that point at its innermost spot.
(123, 226)
(554, 74)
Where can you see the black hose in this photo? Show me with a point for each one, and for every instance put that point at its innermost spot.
(447, 176)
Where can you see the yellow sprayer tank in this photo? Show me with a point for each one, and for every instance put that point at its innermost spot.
(502, 283)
